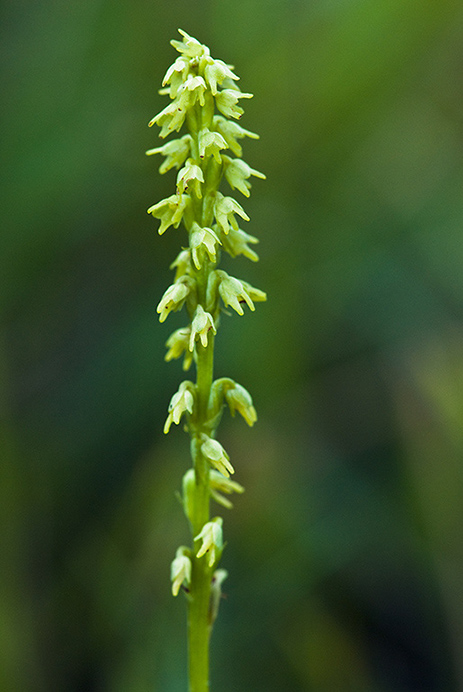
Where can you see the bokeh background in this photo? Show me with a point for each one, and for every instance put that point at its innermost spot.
(345, 553)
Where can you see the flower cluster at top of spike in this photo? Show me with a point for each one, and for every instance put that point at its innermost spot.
(206, 99)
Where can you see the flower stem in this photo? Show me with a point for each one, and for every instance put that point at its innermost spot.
(199, 627)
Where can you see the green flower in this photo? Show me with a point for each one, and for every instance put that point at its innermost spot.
(175, 151)
(216, 71)
(180, 569)
(174, 297)
(239, 399)
(169, 119)
(212, 540)
(181, 402)
(236, 243)
(226, 101)
(192, 176)
(169, 211)
(203, 241)
(237, 173)
(216, 455)
(233, 292)
(231, 131)
(177, 345)
(211, 143)
(191, 91)
(200, 326)
(190, 46)
(181, 264)
(225, 209)
(176, 75)
(219, 484)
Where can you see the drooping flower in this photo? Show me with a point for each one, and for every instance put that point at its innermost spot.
(180, 569)
(212, 540)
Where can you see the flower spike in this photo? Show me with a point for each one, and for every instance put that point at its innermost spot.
(204, 106)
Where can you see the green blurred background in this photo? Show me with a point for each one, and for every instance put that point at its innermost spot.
(345, 554)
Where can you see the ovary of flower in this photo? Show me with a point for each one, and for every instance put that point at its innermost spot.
(231, 131)
(226, 101)
(233, 293)
(190, 174)
(173, 299)
(180, 570)
(201, 324)
(181, 402)
(175, 151)
(202, 240)
(216, 455)
(169, 211)
(225, 209)
(213, 142)
(215, 72)
(212, 540)
(237, 173)
(239, 399)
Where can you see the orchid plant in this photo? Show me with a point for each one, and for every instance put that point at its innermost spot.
(205, 98)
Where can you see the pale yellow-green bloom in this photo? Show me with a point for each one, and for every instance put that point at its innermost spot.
(180, 569)
(237, 173)
(201, 324)
(212, 540)
(203, 241)
(239, 399)
(216, 455)
(181, 402)
(225, 209)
